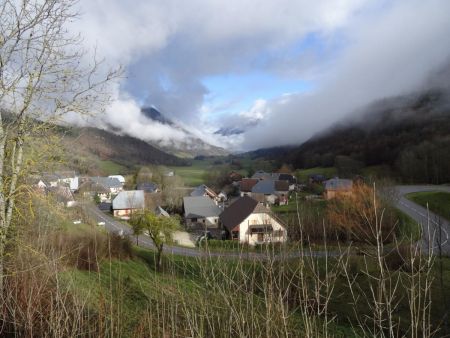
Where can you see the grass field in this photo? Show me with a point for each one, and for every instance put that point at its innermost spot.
(303, 174)
(408, 228)
(112, 168)
(193, 175)
(437, 201)
(192, 293)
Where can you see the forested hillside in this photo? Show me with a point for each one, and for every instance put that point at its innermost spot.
(89, 149)
(409, 135)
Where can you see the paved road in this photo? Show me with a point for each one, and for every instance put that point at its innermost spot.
(430, 222)
(113, 225)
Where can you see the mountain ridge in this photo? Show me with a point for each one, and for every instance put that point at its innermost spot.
(408, 134)
(191, 147)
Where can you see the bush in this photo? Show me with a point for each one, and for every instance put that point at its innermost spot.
(399, 258)
(86, 249)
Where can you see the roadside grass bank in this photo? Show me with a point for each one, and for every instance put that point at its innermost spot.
(437, 201)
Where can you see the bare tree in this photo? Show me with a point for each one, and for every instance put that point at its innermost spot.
(44, 74)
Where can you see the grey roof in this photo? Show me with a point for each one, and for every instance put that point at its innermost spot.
(131, 199)
(199, 207)
(338, 184)
(62, 193)
(50, 178)
(266, 187)
(147, 186)
(201, 190)
(107, 182)
(262, 175)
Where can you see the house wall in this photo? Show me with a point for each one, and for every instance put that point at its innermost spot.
(72, 182)
(115, 190)
(256, 219)
(283, 197)
(329, 194)
(210, 222)
(271, 199)
(120, 213)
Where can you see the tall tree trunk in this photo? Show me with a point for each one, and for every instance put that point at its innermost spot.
(3, 228)
(159, 258)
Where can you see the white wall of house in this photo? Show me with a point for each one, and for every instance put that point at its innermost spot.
(245, 235)
(124, 213)
(210, 222)
(116, 190)
(73, 182)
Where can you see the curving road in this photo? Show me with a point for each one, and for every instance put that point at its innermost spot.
(435, 229)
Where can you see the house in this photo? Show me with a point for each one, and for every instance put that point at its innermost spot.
(68, 177)
(234, 177)
(126, 202)
(274, 191)
(246, 186)
(316, 178)
(291, 179)
(169, 174)
(282, 189)
(112, 184)
(201, 210)
(148, 187)
(262, 175)
(40, 185)
(223, 197)
(63, 195)
(203, 190)
(90, 188)
(337, 187)
(51, 180)
(119, 177)
(266, 188)
(250, 222)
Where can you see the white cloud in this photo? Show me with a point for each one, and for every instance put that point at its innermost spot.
(390, 54)
(382, 49)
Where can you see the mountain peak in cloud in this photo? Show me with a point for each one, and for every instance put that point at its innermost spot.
(154, 114)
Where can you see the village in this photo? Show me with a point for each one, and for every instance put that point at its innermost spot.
(245, 214)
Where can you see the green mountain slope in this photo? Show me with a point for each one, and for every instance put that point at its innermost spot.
(408, 135)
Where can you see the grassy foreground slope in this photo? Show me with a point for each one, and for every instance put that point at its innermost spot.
(437, 201)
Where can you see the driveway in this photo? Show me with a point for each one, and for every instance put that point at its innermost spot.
(436, 230)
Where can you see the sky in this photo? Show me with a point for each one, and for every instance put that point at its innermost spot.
(281, 69)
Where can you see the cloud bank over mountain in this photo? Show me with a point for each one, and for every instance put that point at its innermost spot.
(279, 70)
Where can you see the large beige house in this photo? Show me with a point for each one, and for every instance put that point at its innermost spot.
(249, 221)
